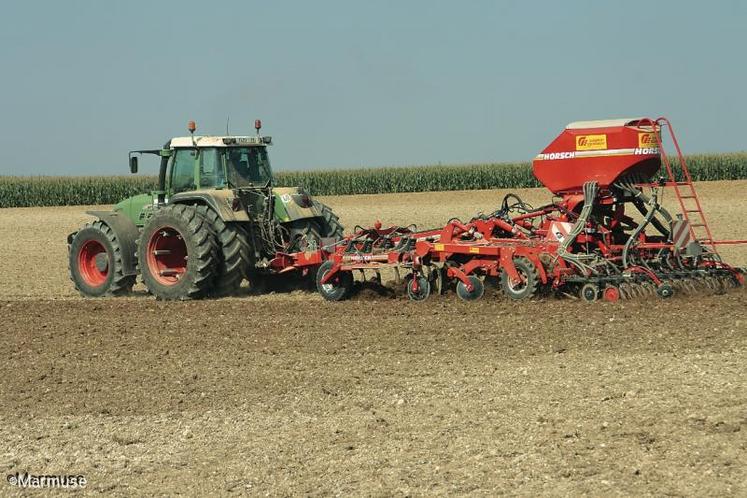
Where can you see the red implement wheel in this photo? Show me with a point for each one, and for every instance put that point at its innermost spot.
(178, 253)
(611, 294)
(95, 262)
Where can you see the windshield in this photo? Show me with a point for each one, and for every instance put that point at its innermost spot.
(247, 166)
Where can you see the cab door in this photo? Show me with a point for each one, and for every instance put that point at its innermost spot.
(184, 174)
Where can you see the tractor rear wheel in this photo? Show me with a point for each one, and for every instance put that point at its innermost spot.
(178, 253)
(95, 262)
(330, 226)
(235, 256)
(529, 280)
(307, 234)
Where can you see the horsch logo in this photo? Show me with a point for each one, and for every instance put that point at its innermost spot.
(591, 142)
(647, 140)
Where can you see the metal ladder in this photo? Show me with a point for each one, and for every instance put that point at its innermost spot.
(690, 206)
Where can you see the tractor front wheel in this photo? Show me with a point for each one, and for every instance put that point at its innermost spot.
(95, 261)
(178, 253)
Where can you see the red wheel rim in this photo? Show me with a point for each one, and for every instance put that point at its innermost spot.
(612, 294)
(167, 256)
(93, 263)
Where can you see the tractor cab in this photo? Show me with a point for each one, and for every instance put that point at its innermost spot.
(217, 163)
(211, 162)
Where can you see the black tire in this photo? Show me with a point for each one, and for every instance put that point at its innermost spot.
(526, 289)
(234, 255)
(330, 223)
(338, 288)
(106, 277)
(478, 289)
(665, 291)
(199, 263)
(424, 288)
(589, 292)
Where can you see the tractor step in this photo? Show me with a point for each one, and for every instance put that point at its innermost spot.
(170, 273)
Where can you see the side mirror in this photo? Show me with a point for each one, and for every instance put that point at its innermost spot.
(133, 164)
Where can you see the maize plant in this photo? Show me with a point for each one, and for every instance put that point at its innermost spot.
(20, 191)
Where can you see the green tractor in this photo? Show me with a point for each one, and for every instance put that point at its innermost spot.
(215, 220)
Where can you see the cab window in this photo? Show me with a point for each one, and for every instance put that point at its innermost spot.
(183, 171)
(211, 169)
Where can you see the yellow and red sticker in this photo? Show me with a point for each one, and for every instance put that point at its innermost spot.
(647, 140)
(591, 142)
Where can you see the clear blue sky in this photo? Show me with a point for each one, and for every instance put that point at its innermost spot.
(356, 83)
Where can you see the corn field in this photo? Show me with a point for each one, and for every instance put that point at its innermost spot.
(20, 191)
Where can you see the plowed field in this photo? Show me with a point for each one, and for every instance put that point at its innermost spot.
(285, 394)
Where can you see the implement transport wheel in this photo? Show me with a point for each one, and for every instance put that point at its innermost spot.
(336, 288)
(589, 292)
(178, 253)
(529, 280)
(424, 288)
(665, 291)
(95, 261)
(234, 255)
(478, 289)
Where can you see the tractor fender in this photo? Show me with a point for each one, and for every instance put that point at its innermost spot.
(293, 203)
(127, 234)
(219, 200)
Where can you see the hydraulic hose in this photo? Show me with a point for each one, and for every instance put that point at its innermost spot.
(590, 193)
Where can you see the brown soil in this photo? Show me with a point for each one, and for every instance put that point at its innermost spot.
(286, 394)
